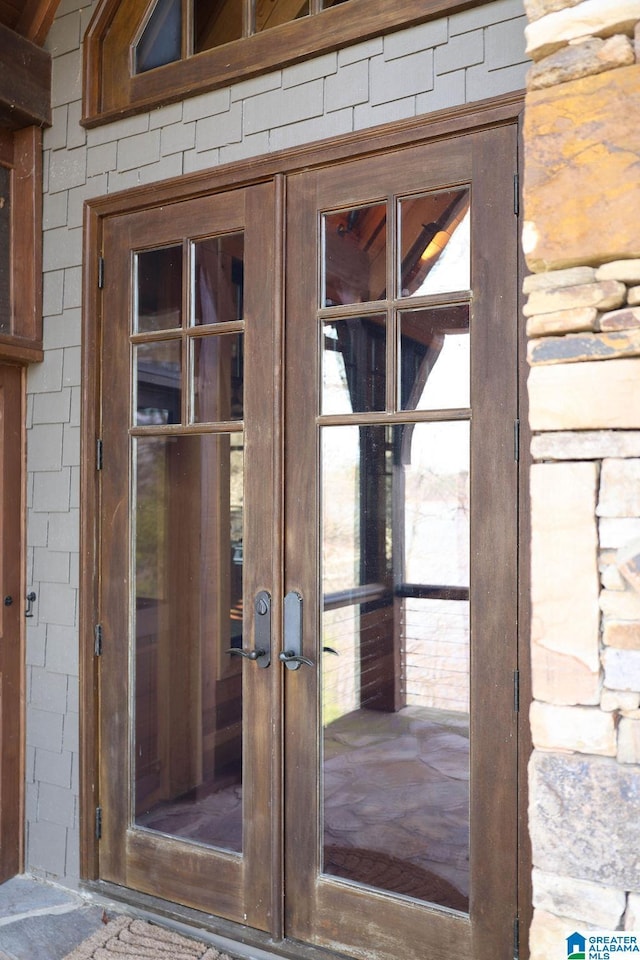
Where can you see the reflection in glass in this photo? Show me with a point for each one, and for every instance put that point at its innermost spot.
(5, 250)
(218, 286)
(435, 243)
(158, 290)
(158, 386)
(353, 365)
(161, 39)
(217, 378)
(354, 257)
(187, 579)
(395, 700)
(216, 22)
(271, 13)
(434, 367)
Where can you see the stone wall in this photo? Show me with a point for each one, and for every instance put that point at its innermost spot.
(582, 244)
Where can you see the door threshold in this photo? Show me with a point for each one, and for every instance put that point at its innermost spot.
(233, 938)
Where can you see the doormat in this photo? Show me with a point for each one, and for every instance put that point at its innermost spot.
(125, 938)
(380, 870)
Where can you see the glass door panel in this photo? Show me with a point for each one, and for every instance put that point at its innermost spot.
(395, 658)
(188, 609)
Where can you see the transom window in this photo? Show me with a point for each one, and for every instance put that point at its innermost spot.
(144, 53)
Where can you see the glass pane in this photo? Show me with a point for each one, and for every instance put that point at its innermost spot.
(158, 290)
(326, 4)
(353, 365)
(395, 699)
(216, 22)
(218, 285)
(158, 382)
(188, 511)
(435, 243)
(271, 13)
(217, 378)
(354, 260)
(434, 368)
(5, 250)
(160, 42)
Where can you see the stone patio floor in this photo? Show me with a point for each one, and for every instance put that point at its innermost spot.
(44, 921)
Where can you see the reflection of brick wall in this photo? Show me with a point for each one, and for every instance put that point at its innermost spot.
(582, 243)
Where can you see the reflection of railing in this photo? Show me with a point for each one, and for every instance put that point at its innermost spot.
(415, 637)
(370, 592)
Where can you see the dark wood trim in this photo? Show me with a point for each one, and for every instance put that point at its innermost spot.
(89, 540)
(25, 82)
(22, 151)
(525, 744)
(27, 236)
(111, 91)
(12, 625)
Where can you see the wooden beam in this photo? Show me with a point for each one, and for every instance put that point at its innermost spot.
(36, 19)
(25, 82)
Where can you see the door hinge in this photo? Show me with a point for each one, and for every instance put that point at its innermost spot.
(516, 194)
(98, 454)
(98, 823)
(516, 691)
(97, 636)
(100, 273)
(516, 441)
(516, 937)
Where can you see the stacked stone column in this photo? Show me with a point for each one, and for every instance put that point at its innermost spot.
(581, 239)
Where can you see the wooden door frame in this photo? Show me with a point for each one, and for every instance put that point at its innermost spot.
(12, 660)
(505, 110)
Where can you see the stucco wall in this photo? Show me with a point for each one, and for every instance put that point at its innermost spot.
(469, 56)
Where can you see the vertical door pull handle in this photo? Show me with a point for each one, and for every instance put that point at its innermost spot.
(291, 656)
(261, 652)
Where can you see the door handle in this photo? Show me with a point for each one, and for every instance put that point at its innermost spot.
(262, 632)
(291, 656)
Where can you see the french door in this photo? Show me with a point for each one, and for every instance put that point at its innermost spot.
(307, 583)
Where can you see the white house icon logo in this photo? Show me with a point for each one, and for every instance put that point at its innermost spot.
(576, 946)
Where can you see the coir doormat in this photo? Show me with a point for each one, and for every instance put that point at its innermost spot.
(125, 938)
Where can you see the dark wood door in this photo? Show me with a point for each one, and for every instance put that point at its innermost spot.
(11, 613)
(401, 514)
(190, 554)
(342, 473)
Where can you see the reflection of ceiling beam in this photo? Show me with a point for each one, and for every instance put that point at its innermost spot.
(25, 82)
(271, 13)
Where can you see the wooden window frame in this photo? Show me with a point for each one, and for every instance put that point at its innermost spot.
(21, 152)
(112, 90)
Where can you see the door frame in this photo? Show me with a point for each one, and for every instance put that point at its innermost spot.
(12, 654)
(505, 110)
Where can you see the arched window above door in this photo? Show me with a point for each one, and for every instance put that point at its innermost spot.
(141, 54)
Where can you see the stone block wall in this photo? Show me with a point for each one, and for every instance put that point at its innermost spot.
(468, 56)
(582, 245)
